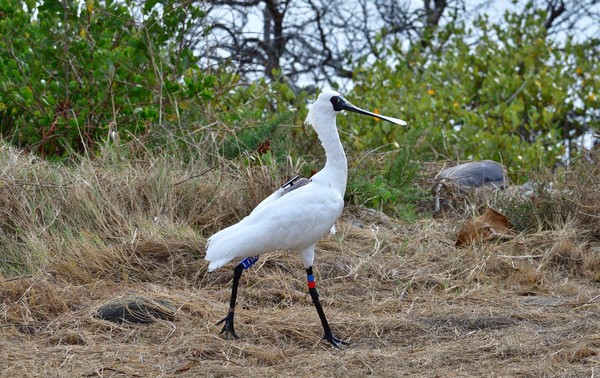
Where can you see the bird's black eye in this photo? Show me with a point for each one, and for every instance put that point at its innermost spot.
(337, 103)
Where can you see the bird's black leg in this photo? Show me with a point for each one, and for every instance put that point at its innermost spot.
(228, 327)
(312, 290)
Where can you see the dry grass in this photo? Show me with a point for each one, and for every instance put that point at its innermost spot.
(409, 301)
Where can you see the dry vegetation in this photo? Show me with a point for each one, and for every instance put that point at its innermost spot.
(411, 304)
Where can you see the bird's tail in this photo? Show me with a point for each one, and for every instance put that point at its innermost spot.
(216, 255)
(230, 243)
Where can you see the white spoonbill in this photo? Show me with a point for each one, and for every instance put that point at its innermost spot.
(297, 215)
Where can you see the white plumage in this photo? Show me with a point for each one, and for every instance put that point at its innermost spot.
(297, 220)
(293, 220)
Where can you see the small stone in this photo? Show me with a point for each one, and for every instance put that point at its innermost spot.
(136, 309)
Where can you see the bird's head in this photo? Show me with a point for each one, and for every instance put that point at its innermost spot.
(330, 103)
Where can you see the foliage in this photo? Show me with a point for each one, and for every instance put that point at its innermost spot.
(502, 91)
(569, 195)
(259, 117)
(70, 73)
(75, 75)
(385, 180)
(540, 209)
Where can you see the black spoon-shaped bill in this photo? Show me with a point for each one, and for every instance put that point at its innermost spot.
(341, 103)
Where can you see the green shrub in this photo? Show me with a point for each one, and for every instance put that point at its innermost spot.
(71, 74)
(385, 180)
(501, 91)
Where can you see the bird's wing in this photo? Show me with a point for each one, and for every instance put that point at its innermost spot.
(290, 222)
(273, 197)
(292, 184)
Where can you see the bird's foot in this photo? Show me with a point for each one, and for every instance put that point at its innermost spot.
(228, 328)
(337, 343)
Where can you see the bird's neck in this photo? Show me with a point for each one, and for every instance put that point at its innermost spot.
(336, 166)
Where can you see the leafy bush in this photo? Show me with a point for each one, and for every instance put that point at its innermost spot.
(502, 91)
(71, 74)
(385, 180)
(259, 116)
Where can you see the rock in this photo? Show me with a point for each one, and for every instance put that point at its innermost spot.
(475, 174)
(468, 178)
(136, 309)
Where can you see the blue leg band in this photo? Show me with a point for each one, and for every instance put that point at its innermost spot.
(249, 261)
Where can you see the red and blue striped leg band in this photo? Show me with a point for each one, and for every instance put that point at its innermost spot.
(311, 281)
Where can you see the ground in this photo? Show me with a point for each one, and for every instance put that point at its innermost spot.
(409, 302)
